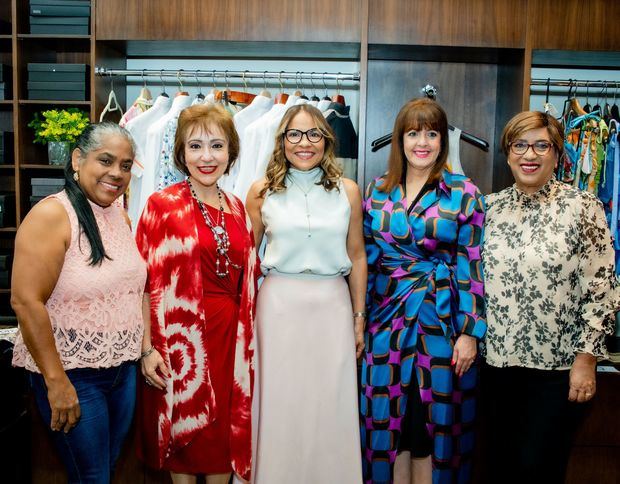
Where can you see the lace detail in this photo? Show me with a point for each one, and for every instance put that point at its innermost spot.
(96, 312)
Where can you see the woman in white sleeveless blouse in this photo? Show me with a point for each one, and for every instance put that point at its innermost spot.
(310, 319)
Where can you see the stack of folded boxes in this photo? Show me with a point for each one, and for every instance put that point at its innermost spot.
(7, 209)
(6, 148)
(42, 187)
(65, 17)
(5, 82)
(6, 261)
(63, 82)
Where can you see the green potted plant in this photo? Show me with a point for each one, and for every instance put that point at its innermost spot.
(59, 128)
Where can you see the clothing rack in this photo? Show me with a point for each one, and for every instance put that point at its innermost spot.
(213, 73)
(574, 83)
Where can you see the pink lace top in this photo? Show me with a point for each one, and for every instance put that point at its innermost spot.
(95, 311)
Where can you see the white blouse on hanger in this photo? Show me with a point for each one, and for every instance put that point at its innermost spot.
(138, 128)
(257, 108)
(154, 139)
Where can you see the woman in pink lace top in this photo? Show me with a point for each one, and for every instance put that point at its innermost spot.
(77, 287)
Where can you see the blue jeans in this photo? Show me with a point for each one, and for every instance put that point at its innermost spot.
(107, 401)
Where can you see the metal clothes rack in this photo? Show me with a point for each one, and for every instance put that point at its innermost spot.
(575, 83)
(214, 73)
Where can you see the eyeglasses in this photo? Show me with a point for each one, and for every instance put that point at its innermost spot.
(520, 147)
(294, 136)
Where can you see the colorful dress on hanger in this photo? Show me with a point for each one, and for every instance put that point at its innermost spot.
(425, 289)
(203, 328)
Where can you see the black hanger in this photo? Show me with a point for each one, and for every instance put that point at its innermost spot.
(163, 85)
(431, 92)
(587, 108)
(615, 113)
(326, 97)
(473, 140)
(314, 96)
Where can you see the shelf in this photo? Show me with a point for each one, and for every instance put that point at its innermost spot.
(5, 291)
(5, 36)
(8, 102)
(2, 165)
(8, 229)
(51, 36)
(43, 101)
(32, 166)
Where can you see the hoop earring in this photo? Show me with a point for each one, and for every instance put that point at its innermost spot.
(76, 176)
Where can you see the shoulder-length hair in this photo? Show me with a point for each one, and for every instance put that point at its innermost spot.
(278, 164)
(202, 117)
(417, 114)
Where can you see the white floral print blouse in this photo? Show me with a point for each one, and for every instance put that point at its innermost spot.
(550, 284)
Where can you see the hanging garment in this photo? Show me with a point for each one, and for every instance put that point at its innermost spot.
(187, 413)
(140, 105)
(153, 154)
(138, 127)
(168, 172)
(337, 116)
(454, 155)
(257, 108)
(261, 142)
(425, 288)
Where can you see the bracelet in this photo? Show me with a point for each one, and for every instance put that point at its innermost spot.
(359, 314)
(146, 353)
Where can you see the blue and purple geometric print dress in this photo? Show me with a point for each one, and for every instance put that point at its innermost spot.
(425, 289)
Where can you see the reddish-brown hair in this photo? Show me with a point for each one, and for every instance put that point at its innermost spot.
(417, 114)
(528, 120)
(202, 117)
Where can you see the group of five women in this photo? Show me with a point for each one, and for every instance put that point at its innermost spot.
(262, 383)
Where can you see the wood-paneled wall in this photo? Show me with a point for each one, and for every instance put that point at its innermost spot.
(574, 24)
(273, 20)
(477, 23)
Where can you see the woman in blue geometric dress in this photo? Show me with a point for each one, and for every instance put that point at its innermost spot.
(423, 229)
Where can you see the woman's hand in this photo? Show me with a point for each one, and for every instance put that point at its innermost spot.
(153, 366)
(464, 354)
(582, 380)
(64, 404)
(358, 327)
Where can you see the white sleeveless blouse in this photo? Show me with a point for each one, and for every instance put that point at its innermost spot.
(306, 228)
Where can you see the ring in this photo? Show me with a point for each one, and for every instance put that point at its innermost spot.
(148, 382)
(588, 394)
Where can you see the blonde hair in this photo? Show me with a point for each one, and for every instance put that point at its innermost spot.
(278, 165)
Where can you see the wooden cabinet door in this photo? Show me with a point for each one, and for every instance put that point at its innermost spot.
(259, 20)
(471, 23)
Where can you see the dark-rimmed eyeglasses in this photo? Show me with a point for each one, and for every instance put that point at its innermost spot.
(520, 147)
(294, 136)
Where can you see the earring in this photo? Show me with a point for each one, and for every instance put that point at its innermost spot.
(76, 176)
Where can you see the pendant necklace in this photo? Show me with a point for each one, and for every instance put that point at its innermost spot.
(305, 192)
(218, 230)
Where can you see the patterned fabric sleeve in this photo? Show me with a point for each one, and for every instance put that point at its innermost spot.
(600, 296)
(470, 318)
(373, 252)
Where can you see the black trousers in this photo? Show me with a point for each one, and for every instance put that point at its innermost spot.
(529, 424)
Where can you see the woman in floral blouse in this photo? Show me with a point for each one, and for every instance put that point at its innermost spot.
(551, 297)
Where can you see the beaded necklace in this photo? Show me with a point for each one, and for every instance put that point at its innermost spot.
(218, 230)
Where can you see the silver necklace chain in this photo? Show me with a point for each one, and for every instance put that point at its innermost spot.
(305, 192)
(218, 229)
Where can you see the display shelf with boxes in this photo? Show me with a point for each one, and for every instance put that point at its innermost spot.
(59, 17)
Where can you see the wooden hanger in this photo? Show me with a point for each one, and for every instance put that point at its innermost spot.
(241, 97)
(181, 92)
(338, 98)
(144, 92)
(281, 97)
